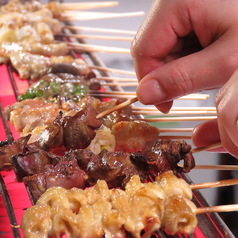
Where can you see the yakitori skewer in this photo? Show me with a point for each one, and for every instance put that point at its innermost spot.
(124, 104)
(135, 99)
(93, 29)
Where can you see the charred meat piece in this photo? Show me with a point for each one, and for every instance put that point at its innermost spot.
(79, 129)
(83, 156)
(66, 174)
(8, 150)
(86, 168)
(165, 155)
(115, 168)
(32, 163)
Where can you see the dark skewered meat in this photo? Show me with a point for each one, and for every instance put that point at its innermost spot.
(8, 150)
(165, 155)
(32, 162)
(66, 174)
(79, 130)
(116, 168)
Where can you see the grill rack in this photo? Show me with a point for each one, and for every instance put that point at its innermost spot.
(209, 225)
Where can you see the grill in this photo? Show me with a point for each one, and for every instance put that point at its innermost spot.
(15, 197)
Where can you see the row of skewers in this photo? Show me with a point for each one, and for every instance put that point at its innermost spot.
(62, 105)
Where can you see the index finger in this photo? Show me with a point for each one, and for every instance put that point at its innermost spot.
(159, 34)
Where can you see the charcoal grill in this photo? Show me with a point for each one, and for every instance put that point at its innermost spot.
(15, 198)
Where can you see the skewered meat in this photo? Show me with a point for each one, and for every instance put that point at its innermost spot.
(17, 20)
(79, 130)
(66, 174)
(134, 135)
(30, 113)
(39, 33)
(8, 150)
(32, 162)
(18, 6)
(56, 49)
(52, 86)
(116, 168)
(31, 6)
(34, 66)
(100, 212)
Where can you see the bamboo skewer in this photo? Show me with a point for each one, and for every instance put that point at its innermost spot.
(126, 84)
(217, 167)
(175, 109)
(133, 94)
(84, 15)
(112, 70)
(135, 99)
(98, 37)
(175, 113)
(115, 31)
(209, 147)
(167, 119)
(222, 208)
(96, 48)
(87, 5)
(117, 79)
(174, 130)
(175, 137)
(215, 184)
(124, 104)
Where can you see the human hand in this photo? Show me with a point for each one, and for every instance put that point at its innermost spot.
(162, 48)
(225, 127)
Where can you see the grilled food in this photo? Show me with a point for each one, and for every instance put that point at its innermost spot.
(103, 212)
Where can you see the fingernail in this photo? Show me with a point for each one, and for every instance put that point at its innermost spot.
(150, 92)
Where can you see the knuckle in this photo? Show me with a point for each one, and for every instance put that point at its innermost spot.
(181, 81)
